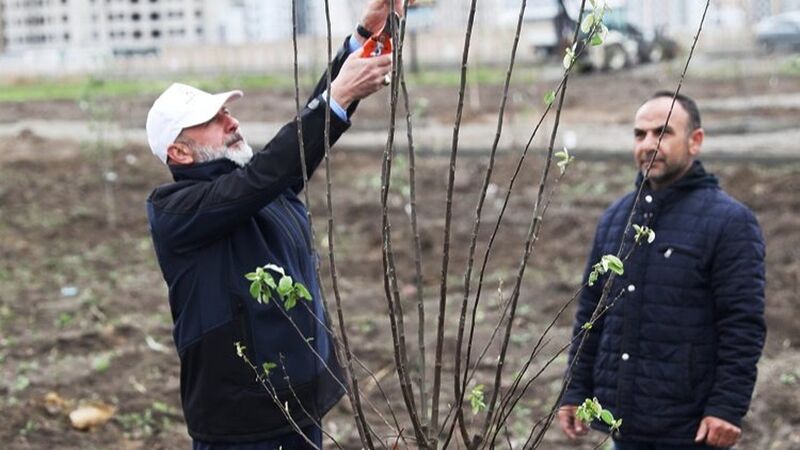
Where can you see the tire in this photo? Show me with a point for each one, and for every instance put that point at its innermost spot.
(656, 53)
(615, 58)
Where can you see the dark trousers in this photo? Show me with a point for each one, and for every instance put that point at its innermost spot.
(291, 441)
(651, 446)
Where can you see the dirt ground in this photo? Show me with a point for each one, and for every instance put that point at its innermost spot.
(83, 309)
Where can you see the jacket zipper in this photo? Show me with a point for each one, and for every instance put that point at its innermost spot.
(285, 229)
(291, 213)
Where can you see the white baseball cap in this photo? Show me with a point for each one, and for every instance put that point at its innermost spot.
(181, 106)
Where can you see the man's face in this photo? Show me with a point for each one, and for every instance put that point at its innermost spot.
(218, 138)
(679, 145)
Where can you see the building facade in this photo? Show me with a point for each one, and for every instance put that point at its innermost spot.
(116, 26)
(54, 36)
(2, 29)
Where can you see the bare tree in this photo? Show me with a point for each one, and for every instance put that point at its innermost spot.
(425, 422)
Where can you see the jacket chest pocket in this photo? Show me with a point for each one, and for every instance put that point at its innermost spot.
(679, 264)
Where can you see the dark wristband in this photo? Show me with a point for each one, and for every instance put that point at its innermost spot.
(363, 32)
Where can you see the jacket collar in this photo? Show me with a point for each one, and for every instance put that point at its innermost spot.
(695, 178)
(205, 171)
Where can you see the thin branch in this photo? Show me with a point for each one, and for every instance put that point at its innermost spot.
(354, 394)
(417, 246)
(503, 416)
(317, 423)
(267, 385)
(535, 225)
(460, 388)
(417, 249)
(396, 314)
(372, 376)
(437, 374)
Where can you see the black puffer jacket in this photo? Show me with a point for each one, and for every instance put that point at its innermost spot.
(686, 329)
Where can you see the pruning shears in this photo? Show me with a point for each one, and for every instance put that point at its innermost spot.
(381, 43)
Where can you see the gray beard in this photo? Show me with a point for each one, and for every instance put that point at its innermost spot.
(240, 154)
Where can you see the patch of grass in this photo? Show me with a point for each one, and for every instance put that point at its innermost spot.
(40, 89)
(484, 76)
(791, 67)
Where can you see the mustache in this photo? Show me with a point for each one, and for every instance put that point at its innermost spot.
(233, 138)
(650, 156)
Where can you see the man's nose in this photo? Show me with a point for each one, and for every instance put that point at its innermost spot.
(650, 141)
(231, 124)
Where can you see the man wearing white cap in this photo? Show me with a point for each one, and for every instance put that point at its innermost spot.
(227, 212)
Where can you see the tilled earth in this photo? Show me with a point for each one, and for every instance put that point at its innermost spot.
(84, 316)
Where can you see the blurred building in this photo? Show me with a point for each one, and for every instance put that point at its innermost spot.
(88, 32)
(2, 26)
(119, 26)
(62, 36)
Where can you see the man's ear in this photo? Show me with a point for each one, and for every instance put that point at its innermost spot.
(696, 141)
(179, 154)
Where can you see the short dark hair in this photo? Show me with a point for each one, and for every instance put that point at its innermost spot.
(688, 105)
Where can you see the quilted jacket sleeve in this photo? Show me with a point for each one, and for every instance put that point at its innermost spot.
(738, 283)
(582, 385)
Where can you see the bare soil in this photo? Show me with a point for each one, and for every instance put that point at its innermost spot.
(83, 310)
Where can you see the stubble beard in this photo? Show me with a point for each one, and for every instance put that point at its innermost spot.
(665, 174)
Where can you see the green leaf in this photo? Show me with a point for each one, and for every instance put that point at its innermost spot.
(585, 412)
(549, 97)
(476, 399)
(643, 232)
(617, 424)
(569, 57)
(21, 383)
(564, 160)
(587, 23)
(290, 302)
(161, 407)
(596, 40)
(239, 349)
(285, 285)
(255, 290)
(301, 291)
(614, 264)
(607, 417)
(587, 326)
(101, 363)
(593, 277)
(268, 366)
(269, 281)
(252, 276)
